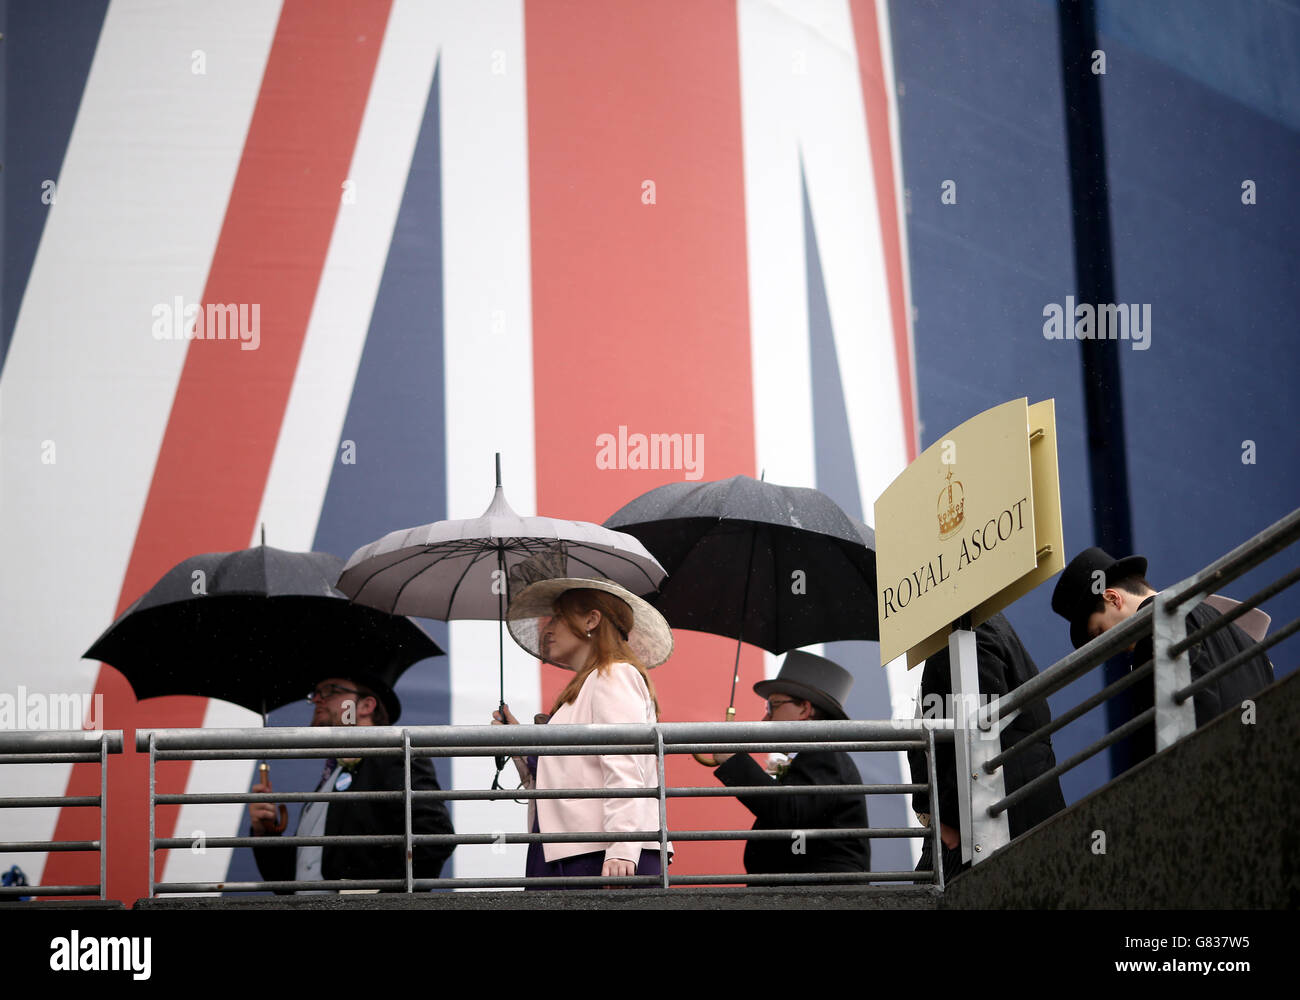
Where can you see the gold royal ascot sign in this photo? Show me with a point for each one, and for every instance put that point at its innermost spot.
(970, 526)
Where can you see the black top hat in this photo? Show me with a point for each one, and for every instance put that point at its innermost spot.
(810, 678)
(377, 681)
(1077, 591)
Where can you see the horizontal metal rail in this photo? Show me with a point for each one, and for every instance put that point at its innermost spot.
(38, 846)
(50, 890)
(59, 741)
(679, 737)
(568, 882)
(47, 801)
(622, 836)
(89, 757)
(510, 795)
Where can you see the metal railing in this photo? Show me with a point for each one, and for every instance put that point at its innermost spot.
(983, 802)
(660, 740)
(1164, 622)
(60, 747)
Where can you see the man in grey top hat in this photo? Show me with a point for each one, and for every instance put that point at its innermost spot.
(807, 687)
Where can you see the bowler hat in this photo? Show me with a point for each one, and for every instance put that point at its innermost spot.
(1079, 588)
(810, 678)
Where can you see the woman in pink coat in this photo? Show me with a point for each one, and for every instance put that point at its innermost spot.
(609, 639)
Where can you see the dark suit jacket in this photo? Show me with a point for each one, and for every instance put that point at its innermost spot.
(373, 774)
(803, 812)
(1003, 665)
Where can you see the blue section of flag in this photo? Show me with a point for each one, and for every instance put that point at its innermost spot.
(1220, 368)
(837, 477)
(44, 61)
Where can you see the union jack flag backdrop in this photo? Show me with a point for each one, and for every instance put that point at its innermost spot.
(466, 228)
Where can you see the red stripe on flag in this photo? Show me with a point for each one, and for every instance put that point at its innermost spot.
(640, 297)
(875, 102)
(217, 450)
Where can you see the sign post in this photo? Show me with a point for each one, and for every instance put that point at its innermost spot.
(972, 524)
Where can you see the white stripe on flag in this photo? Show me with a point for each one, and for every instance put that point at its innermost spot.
(489, 366)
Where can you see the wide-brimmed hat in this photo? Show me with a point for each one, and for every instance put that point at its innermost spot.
(810, 678)
(650, 637)
(1076, 595)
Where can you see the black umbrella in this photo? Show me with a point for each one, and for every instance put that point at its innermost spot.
(776, 566)
(256, 627)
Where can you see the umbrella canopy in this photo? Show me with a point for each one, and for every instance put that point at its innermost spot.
(469, 569)
(453, 570)
(258, 627)
(776, 566)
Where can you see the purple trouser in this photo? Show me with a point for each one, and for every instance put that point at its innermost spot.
(580, 864)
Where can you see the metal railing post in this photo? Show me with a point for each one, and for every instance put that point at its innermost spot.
(936, 837)
(406, 801)
(990, 830)
(103, 817)
(663, 807)
(1172, 673)
(965, 683)
(153, 762)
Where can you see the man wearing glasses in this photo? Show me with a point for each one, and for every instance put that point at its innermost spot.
(364, 699)
(806, 687)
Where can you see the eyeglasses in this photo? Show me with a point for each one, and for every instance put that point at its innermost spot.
(772, 706)
(325, 691)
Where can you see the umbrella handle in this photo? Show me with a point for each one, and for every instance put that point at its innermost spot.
(282, 817)
(707, 759)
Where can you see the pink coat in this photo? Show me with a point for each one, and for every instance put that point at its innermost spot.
(617, 694)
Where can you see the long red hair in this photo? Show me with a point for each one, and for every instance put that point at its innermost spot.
(608, 639)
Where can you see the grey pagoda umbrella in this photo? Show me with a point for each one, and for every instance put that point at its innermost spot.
(467, 569)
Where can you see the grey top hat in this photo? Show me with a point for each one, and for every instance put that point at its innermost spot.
(811, 678)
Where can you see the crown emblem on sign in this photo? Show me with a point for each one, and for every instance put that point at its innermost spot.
(951, 507)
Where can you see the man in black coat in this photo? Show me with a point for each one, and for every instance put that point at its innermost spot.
(1003, 665)
(807, 687)
(362, 700)
(1095, 593)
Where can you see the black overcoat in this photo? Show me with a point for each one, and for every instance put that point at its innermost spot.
(1004, 664)
(803, 812)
